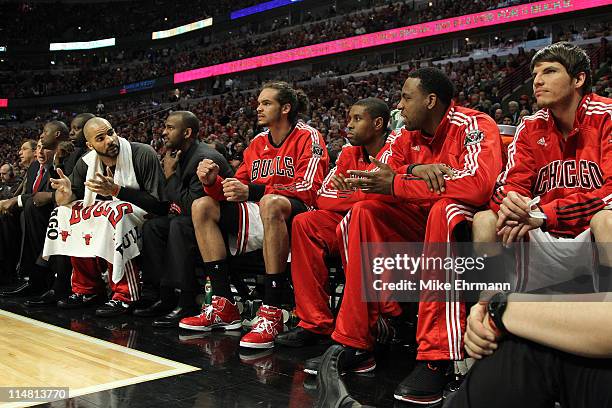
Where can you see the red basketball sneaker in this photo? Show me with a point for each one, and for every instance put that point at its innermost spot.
(220, 314)
(269, 323)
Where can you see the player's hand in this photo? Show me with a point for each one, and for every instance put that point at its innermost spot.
(63, 188)
(339, 182)
(235, 190)
(510, 234)
(7, 205)
(103, 185)
(513, 210)
(380, 181)
(42, 198)
(169, 163)
(480, 339)
(207, 172)
(433, 175)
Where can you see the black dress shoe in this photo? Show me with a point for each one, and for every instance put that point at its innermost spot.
(49, 298)
(25, 289)
(353, 360)
(173, 318)
(300, 337)
(114, 308)
(77, 300)
(158, 308)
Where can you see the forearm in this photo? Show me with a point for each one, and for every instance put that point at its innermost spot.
(143, 200)
(576, 324)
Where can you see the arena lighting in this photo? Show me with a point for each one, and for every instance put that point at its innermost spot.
(467, 22)
(3, 103)
(82, 45)
(269, 5)
(158, 35)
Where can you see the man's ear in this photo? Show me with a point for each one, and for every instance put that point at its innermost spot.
(89, 145)
(188, 133)
(432, 98)
(580, 80)
(286, 108)
(378, 123)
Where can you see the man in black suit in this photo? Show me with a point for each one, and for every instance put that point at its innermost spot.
(169, 244)
(35, 226)
(59, 264)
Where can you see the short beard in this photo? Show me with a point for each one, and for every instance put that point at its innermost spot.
(104, 154)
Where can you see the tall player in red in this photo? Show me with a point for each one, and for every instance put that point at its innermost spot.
(557, 185)
(282, 170)
(437, 131)
(316, 234)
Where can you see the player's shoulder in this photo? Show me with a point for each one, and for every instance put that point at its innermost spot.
(304, 130)
(537, 121)
(462, 116)
(596, 107)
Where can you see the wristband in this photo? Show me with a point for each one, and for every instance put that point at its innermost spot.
(411, 167)
(496, 308)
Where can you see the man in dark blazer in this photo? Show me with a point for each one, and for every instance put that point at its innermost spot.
(59, 264)
(37, 181)
(169, 244)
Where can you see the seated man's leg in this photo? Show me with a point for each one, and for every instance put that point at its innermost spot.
(313, 237)
(180, 262)
(441, 324)
(87, 285)
(370, 221)
(208, 215)
(125, 292)
(276, 213)
(10, 237)
(601, 228)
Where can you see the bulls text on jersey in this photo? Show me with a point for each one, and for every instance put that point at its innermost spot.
(282, 166)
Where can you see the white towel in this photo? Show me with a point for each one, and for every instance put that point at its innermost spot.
(124, 175)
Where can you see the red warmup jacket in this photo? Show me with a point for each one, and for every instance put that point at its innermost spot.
(353, 158)
(294, 169)
(572, 177)
(466, 140)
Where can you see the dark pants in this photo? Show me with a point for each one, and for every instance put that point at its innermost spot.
(10, 240)
(169, 253)
(524, 374)
(35, 230)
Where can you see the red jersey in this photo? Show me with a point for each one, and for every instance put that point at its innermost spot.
(572, 177)
(466, 140)
(295, 168)
(351, 158)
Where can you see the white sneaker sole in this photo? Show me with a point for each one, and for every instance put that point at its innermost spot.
(267, 345)
(235, 325)
(415, 401)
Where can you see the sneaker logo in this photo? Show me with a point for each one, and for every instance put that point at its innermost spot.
(432, 367)
(542, 142)
(416, 148)
(265, 148)
(87, 298)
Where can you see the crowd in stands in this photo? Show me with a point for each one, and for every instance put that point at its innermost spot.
(104, 69)
(229, 119)
(30, 23)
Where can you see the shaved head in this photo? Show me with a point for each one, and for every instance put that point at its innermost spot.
(95, 126)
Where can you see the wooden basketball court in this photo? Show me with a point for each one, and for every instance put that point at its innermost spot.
(36, 354)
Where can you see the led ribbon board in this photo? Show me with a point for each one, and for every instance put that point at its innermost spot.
(82, 45)
(158, 35)
(3, 103)
(429, 29)
(269, 5)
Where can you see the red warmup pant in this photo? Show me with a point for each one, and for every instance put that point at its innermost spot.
(314, 235)
(440, 324)
(87, 278)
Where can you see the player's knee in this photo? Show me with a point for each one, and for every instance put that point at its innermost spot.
(203, 209)
(601, 226)
(366, 205)
(274, 206)
(484, 226)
